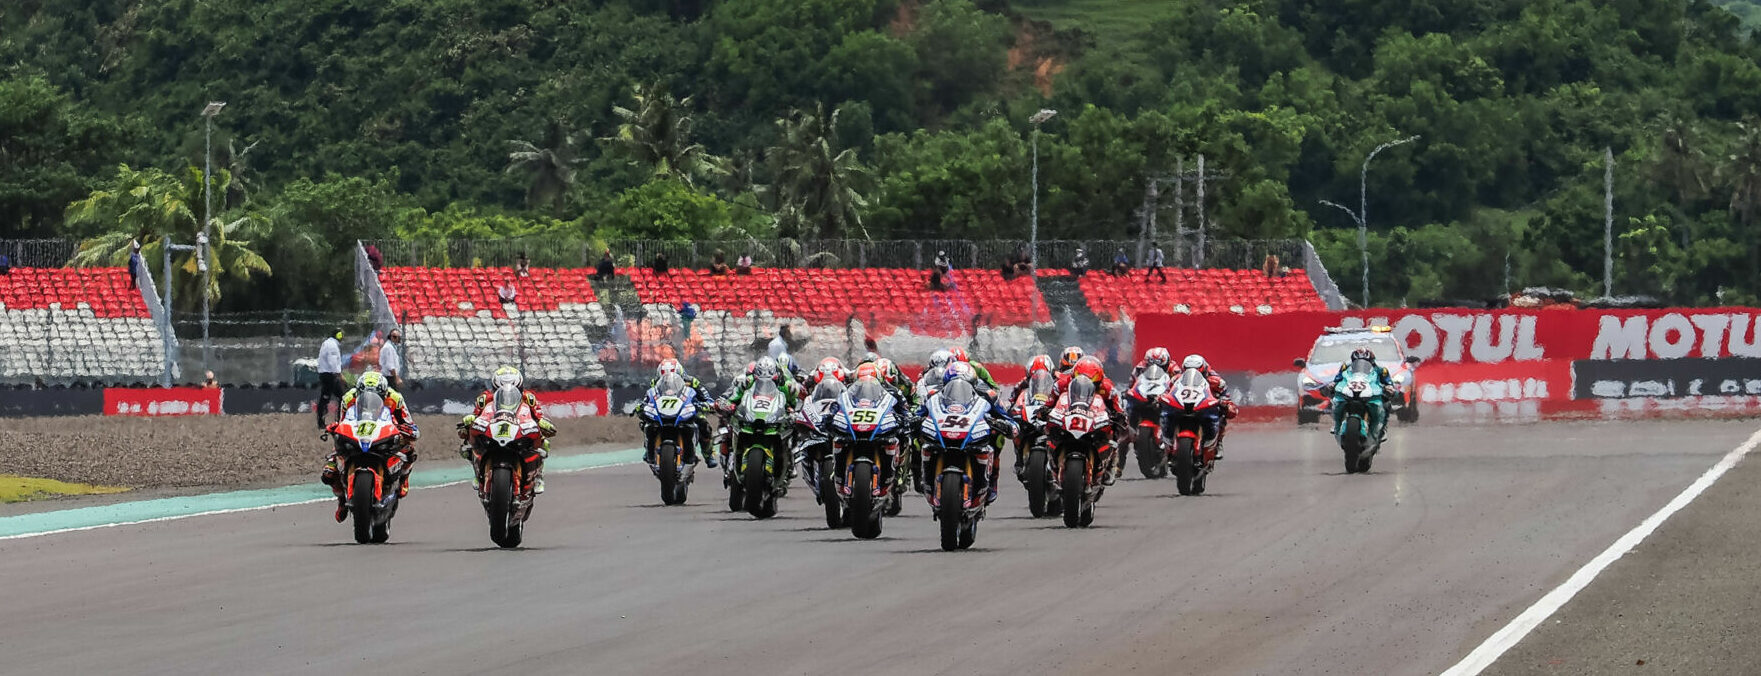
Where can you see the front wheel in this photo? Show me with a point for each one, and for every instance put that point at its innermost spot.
(1352, 443)
(1075, 490)
(1185, 464)
(865, 520)
(362, 507)
(1150, 458)
(501, 507)
(952, 506)
(668, 461)
(759, 501)
(1039, 484)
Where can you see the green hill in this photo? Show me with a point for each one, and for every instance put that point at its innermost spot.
(908, 119)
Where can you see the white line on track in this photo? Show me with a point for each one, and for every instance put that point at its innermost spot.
(1513, 633)
(259, 508)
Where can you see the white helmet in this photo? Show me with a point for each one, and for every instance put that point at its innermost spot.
(939, 359)
(1193, 361)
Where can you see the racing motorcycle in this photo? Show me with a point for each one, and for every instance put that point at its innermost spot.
(865, 443)
(1361, 390)
(1146, 418)
(758, 474)
(505, 441)
(669, 418)
(1189, 404)
(1081, 434)
(374, 465)
(1036, 466)
(956, 442)
(814, 449)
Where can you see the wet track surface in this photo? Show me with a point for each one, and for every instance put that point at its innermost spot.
(1288, 567)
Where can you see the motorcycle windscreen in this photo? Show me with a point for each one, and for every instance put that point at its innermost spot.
(762, 402)
(1193, 378)
(827, 390)
(1082, 391)
(870, 391)
(958, 392)
(369, 406)
(670, 385)
(507, 399)
(1363, 366)
(1153, 373)
(1041, 383)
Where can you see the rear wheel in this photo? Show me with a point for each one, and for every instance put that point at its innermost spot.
(1075, 489)
(1035, 476)
(668, 461)
(1185, 464)
(501, 507)
(362, 506)
(736, 497)
(1150, 458)
(952, 496)
(896, 496)
(828, 494)
(865, 520)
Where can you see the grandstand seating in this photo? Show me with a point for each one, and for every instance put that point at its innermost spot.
(64, 323)
(1196, 291)
(458, 329)
(882, 298)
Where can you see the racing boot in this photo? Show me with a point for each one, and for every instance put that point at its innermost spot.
(1111, 474)
(342, 509)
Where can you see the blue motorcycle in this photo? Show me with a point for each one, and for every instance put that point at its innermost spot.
(669, 419)
(1362, 408)
(865, 455)
(957, 450)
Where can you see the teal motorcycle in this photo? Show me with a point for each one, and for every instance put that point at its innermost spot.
(1363, 415)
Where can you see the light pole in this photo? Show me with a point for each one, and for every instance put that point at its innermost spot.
(1038, 119)
(1361, 216)
(208, 114)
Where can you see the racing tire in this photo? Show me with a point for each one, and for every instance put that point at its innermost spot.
(1185, 464)
(668, 462)
(865, 520)
(362, 507)
(1353, 446)
(1075, 490)
(952, 496)
(757, 485)
(736, 497)
(1151, 460)
(501, 508)
(969, 534)
(828, 495)
(1035, 476)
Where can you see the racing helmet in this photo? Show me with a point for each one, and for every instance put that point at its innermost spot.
(669, 366)
(1039, 363)
(786, 363)
(940, 358)
(886, 367)
(959, 371)
(1363, 353)
(1089, 367)
(765, 369)
(373, 381)
(1193, 361)
(1158, 356)
(507, 376)
(829, 367)
(1068, 359)
(868, 370)
(959, 354)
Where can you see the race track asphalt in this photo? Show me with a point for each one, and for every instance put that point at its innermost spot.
(1287, 567)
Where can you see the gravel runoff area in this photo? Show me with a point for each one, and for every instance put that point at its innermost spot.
(221, 450)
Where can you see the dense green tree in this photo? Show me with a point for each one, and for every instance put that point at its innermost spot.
(51, 152)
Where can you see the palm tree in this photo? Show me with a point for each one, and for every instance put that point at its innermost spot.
(656, 132)
(551, 165)
(818, 186)
(149, 205)
(238, 165)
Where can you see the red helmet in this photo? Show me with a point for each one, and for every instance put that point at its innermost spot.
(1158, 356)
(959, 354)
(1071, 355)
(1039, 363)
(886, 367)
(867, 370)
(1091, 368)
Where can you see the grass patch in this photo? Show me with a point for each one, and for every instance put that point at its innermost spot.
(21, 488)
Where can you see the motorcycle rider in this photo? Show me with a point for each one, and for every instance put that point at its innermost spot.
(508, 376)
(1039, 364)
(1218, 387)
(830, 368)
(931, 378)
(700, 399)
(1090, 367)
(895, 380)
(1155, 356)
(763, 369)
(375, 382)
(994, 414)
(984, 375)
(1378, 415)
(1067, 360)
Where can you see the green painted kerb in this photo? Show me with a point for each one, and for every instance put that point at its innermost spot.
(169, 508)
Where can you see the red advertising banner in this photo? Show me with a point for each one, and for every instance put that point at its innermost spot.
(1266, 344)
(158, 401)
(581, 402)
(1549, 380)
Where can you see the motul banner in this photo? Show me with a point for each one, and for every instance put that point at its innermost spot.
(158, 401)
(1266, 344)
(580, 402)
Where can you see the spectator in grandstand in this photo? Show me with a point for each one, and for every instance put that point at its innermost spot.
(1154, 264)
(507, 293)
(1079, 264)
(390, 362)
(718, 264)
(522, 267)
(329, 375)
(779, 345)
(374, 258)
(935, 280)
(1271, 267)
(941, 263)
(5, 265)
(208, 381)
(606, 269)
(744, 265)
(687, 314)
(1008, 270)
(1121, 263)
(660, 266)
